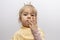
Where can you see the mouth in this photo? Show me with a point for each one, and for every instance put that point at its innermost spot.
(26, 21)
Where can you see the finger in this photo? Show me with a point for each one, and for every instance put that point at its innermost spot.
(34, 21)
(30, 22)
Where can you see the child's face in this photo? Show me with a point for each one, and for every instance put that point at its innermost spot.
(28, 14)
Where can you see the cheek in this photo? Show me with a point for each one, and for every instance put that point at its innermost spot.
(23, 18)
(34, 18)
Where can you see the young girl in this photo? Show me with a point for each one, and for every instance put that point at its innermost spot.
(29, 29)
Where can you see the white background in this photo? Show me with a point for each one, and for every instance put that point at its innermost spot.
(48, 17)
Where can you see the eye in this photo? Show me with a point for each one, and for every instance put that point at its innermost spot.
(25, 14)
(32, 15)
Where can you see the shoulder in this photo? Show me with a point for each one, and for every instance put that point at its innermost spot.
(17, 36)
(17, 33)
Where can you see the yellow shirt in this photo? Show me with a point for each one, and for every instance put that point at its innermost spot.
(25, 34)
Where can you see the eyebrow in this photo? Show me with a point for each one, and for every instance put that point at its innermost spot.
(30, 13)
(34, 13)
(25, 12)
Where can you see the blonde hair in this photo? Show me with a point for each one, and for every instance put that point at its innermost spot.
(27, 5)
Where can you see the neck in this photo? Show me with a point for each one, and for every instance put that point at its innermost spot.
(26, 26)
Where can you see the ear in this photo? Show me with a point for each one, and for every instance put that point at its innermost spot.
(19, 19)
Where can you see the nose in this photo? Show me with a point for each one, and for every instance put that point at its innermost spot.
(28, 17)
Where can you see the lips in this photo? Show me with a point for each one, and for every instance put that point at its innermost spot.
(26, 22)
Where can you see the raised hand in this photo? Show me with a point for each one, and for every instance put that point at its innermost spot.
(32, 24)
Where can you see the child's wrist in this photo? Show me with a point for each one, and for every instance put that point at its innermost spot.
(36, 34)
(35, 31)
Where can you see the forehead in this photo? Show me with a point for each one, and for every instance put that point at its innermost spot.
(29, 9)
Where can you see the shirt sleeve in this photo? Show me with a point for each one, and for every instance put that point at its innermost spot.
(38, 34)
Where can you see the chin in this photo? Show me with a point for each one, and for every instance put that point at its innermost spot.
(26, 26)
